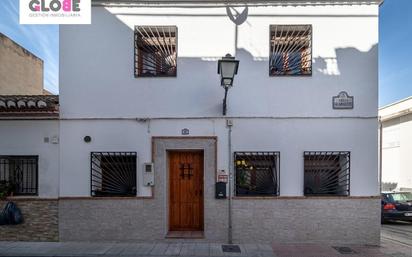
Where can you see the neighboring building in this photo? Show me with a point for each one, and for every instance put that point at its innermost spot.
(21, 72)
(139, 87)
(29, 158)
(396, 120)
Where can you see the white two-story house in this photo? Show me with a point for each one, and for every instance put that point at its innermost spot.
(145, 152)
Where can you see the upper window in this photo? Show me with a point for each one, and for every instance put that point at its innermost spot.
(19, 175)
(155, 51)
(257, 173)
(290, 50)
(327, 173)
(113, 173)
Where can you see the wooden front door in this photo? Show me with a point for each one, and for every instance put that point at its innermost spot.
(186, 191)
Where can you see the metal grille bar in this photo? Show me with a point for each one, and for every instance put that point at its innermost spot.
(327, 173)
(20, 174)
(290, 50)
(113, 173)
(257, 173)
(155, 51)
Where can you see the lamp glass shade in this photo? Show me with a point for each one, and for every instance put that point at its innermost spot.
(228, 68)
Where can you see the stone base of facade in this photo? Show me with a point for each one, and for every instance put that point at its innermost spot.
(40, 221)
(299, 220)
(353, 220)
(308, 220)
(110, 220)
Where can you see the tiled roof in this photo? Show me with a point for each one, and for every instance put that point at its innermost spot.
(29, 106)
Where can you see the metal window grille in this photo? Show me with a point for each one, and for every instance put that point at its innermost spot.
(155, 51)
(113, 173)
(20, 173)
(327, 173)
(290, 50)
(257, 173)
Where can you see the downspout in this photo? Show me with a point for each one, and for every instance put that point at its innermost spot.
(380, 153)
(230, 168)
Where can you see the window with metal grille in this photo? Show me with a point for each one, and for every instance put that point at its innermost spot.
(113, 173)
(19, 174)
(290, 50)
(257, 173)
(327, 173)
(155, 51)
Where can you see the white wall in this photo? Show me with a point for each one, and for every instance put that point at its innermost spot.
(290, 137)
(97, 79)
(396, 152)
(27, 138)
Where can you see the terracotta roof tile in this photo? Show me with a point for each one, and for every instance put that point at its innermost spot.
(29, 105)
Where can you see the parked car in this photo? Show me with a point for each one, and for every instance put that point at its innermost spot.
(396, 206)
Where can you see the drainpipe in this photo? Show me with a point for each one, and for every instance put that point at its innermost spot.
(229, 125)
(380, 153)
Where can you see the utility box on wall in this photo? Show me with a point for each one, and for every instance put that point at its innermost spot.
(148, 174)
(220, 190)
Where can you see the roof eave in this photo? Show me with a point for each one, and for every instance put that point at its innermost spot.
(25, 116)
(183, 3)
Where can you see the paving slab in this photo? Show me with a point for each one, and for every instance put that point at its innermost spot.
(83, 248)
(132, 249)
(159, 249)
(252, 250)
(173, 249)
(146, 248)
(188, 249)
(202, 249)
(116, 249)
(215, 250)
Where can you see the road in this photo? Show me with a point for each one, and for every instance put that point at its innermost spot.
(396, 238)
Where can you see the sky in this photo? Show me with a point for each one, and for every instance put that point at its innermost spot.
(41, 40)
(395, 52)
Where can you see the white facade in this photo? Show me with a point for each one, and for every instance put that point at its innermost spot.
(100, 96)
(396, 145)
(290, 137)
(27, 137)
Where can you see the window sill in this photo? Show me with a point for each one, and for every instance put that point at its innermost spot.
(290, 75)
(105, 197)
(28, 198)
(255, 197)
(157, 76)
(302, 197)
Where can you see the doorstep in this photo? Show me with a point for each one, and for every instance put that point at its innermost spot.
(185, 234)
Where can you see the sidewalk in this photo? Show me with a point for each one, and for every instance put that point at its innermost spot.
(316, 250)
(76, 249)
(58, 249)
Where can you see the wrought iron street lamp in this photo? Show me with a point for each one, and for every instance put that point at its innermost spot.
(227, 68)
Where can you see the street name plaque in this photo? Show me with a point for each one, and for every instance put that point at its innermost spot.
(342, 101)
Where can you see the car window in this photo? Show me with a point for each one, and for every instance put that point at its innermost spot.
(387, 198)
(402, 197)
